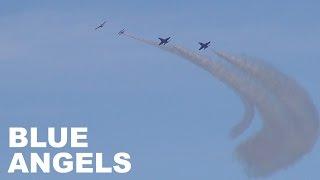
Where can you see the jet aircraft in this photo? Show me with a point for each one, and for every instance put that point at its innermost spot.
(164, 41)
(204, 45)
(101, 25)
(121, 32)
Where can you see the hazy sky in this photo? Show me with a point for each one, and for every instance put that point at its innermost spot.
(172, 117)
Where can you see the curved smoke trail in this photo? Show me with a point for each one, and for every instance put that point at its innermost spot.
(302, 128)
(285, 88)
(290, 120)
(246, 120)
(248, 115)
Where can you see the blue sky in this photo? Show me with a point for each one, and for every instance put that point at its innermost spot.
(171, 116)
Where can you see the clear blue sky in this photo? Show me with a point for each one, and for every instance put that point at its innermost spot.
(172, 117)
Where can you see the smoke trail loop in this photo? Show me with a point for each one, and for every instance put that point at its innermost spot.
(290, 120)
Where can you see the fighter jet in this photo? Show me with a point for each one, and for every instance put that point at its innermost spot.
(101, 25)
(204, 45)
(121, 32)
(164, 41)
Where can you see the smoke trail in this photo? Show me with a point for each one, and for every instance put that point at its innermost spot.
(288, 132)
(303, 127)
(285, 88)
(248, 116)
(246, 120)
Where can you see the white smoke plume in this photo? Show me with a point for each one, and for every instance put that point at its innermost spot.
(290, 120)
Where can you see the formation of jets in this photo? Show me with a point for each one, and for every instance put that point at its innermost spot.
(163, 41)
